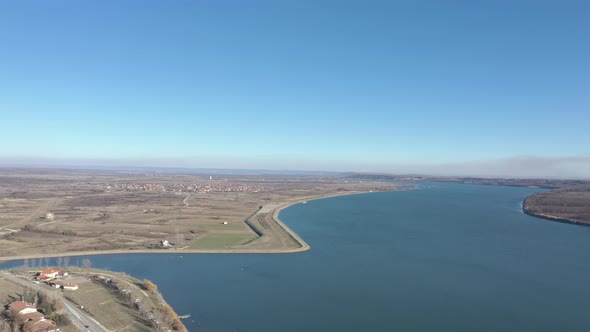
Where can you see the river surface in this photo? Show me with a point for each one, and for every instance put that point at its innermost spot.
(444, 258)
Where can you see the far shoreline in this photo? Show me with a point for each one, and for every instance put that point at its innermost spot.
(303, 246)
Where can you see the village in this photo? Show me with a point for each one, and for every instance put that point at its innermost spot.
(54, 278)
(209, 187)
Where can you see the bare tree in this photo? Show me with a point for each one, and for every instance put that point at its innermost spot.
(26, 263)
(86, 263)
(66, 261)
(59, 261)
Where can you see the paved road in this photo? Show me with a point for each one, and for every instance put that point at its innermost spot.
(79, 318)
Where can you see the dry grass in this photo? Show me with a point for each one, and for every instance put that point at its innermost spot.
(9, 292)
(104, 306)
(92, 214)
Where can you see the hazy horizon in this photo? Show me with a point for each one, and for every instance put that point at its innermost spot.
(440, 88)
(520, 167)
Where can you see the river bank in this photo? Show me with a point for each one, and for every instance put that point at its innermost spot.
(553, 218)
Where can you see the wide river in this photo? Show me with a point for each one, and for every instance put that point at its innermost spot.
(443, 258)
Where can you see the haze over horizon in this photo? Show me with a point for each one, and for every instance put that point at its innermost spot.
(438, 88)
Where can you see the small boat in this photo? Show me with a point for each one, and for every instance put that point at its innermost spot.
(304, 202)
(184, 316)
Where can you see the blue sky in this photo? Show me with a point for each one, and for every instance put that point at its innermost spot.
(326, 85)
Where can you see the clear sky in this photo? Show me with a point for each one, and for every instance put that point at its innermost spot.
(389, 86)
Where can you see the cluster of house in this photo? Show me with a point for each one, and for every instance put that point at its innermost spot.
(220, 187)
(34, 320)
(50, 276)
(181, 187)
(139, 187)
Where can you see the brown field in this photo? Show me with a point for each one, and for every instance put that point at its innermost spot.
(9, 292)
(570, 204)
(107, 211)
(104, 306)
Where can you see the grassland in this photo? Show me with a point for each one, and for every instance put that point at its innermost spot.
(221, 241)
(64, 212)
(104, 306)
(9, 292)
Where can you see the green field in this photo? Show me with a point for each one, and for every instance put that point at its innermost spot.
(221, 240)
(231, 226)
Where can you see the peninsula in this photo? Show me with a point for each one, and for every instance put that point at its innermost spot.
(48, 212)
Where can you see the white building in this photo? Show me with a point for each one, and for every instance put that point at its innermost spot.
(22, 308)
(70, 286)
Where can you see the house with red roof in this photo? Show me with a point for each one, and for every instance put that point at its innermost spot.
(22, 308)
(52, 273)
(34, 321)
(70, 286)
(42, 277)
(40, 324)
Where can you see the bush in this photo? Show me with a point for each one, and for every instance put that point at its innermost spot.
(149, 286)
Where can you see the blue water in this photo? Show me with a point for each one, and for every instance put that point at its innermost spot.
(444, 258)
